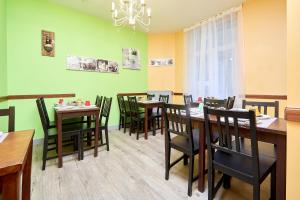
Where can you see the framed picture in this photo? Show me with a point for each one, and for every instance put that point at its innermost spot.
(158, 62)
(91, 64)
(131, 58)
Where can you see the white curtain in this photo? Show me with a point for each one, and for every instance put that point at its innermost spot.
(214, 57)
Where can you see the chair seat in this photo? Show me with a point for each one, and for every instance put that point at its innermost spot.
(182, 143)
(237, 163)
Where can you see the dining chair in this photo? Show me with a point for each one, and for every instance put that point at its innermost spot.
(103, 126)
(216, 103)
(137, 117)
(124, 113)
(265, 105)
(188, 99)
(10, 113)
(180, 136)
(150, 96)
(230, 102)
(50, 136)
(156, 116)
(229, 156)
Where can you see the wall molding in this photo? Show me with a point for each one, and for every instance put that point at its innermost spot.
(34, 96)
(263, 96)
(292, 114)
(132, 94)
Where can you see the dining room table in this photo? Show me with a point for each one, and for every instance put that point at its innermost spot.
(67, 112)
(148, 105)
(272, 131)
(15, 165)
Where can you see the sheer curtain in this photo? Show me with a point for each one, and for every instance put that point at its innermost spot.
(214, 57)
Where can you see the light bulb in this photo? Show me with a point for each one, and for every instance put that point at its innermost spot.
(149, 12)
(116, 13)
(113, 6)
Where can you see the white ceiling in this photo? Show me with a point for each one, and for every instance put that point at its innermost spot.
(167, 15)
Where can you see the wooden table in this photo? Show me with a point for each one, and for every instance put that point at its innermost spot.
(15, 165)
(275, 134)
(61, 114)
(149, 105)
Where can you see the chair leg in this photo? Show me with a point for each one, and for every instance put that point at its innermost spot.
(45, 150)
(120, 121)
(167, 167)
(124, 122)
(82, 145)
(101, 136)
(273, 183)
(138, 130)
(106, 139)
(153, 127)
(79, 146)
(210, 182)
(185, 159)
(256, 191)
(191, 174)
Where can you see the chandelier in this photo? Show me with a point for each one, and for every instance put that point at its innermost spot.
(131, 13)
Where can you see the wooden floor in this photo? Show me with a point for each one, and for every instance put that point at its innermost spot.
(132, 170)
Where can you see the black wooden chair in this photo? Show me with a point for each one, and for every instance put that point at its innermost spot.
(10, 113)
(179, 135)
(230, 102)
(137, 117)
(150, 96)
(156, 116)
(188, 99)
(124, 113)
(265, 106)
(216, 103)
(103, 126)
(50, 136)
(230, 157)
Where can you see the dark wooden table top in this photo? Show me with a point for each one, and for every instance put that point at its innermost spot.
(13, 151)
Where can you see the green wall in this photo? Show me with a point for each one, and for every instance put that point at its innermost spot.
(75, 34)
(3, 81)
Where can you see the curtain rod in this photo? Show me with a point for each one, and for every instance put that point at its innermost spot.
(215, 16)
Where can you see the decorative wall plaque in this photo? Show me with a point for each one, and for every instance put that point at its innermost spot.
(48, 45)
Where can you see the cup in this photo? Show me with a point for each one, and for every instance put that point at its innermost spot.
(87, 103)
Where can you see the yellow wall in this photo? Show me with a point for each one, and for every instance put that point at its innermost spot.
(293, 83)
(166, 45)
(265, 48)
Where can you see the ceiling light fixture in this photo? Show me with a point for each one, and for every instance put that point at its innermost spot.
(131, 13)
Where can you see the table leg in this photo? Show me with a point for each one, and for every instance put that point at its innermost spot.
(281, 168)
(162, 122)
(201, 168)
(11, 186)
(146, 123)
(26, 178)
(96, 135)
(59, 139)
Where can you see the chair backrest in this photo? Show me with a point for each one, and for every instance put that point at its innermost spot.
(43, 117)
(150, 96)
(163, 98)
(225, 124)
(45, 111)
(121, 103)
(230, 102)
(265, 106)
(105, 111)
(215, 103)
(188, 99)
(178, 122)
(133, 106)
(99, 100)
(10, 113)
